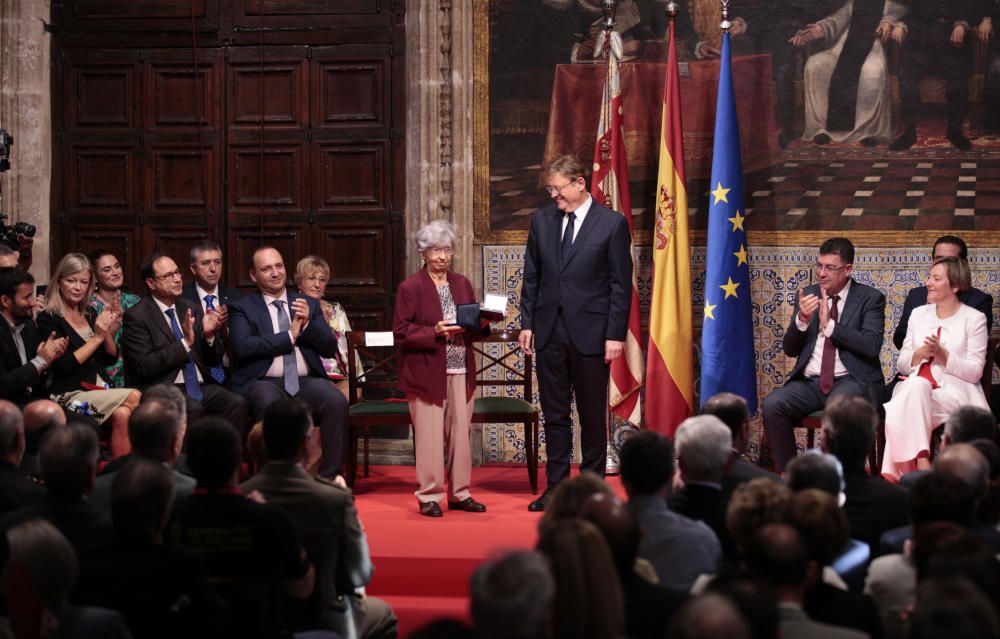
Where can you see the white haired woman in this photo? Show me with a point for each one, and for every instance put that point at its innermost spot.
(437, 371)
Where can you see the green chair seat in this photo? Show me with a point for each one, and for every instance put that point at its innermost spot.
(505, 405)
(379, 407)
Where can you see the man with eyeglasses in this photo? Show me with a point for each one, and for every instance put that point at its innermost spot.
(575, 302)
(836, 333)
(169, 340)
(208, 291)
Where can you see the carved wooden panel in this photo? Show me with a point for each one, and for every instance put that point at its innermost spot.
(351, 177)
(122, 241)
(358, 256)
(282, 86)
(281, 179)
(138, 15)
(173, 240)
(174, 101)
(103, 180)
(368, 318)
(350, 91)
(338, 15)
(100, 94)
(181, 180)
(291, 241)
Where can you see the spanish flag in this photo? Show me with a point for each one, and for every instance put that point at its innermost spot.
(670, 356)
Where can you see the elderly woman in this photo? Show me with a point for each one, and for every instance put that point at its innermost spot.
(79, 378)
(437, 371)
(312, 274)
(943, 357)
(108, 292)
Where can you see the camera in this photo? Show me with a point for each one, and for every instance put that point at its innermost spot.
(6, 141)
(9, 232)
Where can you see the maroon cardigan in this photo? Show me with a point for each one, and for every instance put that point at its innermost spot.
(422, 352)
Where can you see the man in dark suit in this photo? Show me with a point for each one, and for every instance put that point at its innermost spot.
(208, 292)
(24, 357)
(945, 246)
(574, 311)
(733, 411)
(872, 504)
(836, 333)
(16, 489)
(168, 340)
(278, 338)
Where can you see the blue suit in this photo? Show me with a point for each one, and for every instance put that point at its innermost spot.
(255, 345)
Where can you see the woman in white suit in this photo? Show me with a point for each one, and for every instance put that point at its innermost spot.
(943, 358)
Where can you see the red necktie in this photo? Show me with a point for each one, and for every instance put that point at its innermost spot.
(829, 354)
(925, 368)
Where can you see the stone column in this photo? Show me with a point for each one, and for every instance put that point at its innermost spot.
(25, 112)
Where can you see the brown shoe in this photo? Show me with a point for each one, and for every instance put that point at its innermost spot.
(430, 509)
(468, 504)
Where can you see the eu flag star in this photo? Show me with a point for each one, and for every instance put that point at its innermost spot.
(737, 221)
(741, 255)
(730, 288)
(720, 194)
(708, 310)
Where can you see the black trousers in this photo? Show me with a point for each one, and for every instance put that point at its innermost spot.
(563, 370)
(220, 402)
(928, 47)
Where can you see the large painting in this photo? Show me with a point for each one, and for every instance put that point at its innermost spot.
(866, 117)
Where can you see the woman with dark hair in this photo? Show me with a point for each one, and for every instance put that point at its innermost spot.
(109, 280)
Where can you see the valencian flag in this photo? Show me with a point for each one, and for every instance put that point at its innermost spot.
(670, 358)
(610, 188)
(727, 344)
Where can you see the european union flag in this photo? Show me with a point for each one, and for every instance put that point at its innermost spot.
(727, 344)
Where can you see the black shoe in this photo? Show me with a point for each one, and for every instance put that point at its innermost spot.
(905, 141)
(430, 509)
(960, 141)
(539, 504)
(468, 504)
(822, 138)
(869, 142)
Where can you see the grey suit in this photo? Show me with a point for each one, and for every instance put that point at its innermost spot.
(858, 334)
(794, 624)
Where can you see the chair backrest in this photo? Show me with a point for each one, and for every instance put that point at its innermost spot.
(987, 379)
(380, 365)
(497, 365)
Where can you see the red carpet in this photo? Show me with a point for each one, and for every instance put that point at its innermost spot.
(422, 565)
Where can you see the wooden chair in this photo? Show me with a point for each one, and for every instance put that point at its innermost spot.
(381, 404)
(814, 422)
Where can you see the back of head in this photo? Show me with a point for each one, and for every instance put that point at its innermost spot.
(965, 462)
(213, 452)
(708, 617)
(11, 430)
(141, 495)
(931, 537)
(731, 409)
(967, 423)
(40, 418)
(969, 557)
(821, 524)
(588, 599)
(814, 469)
(569, 496)
(69, 460)
(286, 425)
(511, 596)
(704, 446)
(991, 453)
(754, 599)
(42, 555)
(619, 526)
(849, 425)
(952, 607)
(778, 555)
(646, 463)
(753, 504)
(940, 497)
(170, 395)
(154, 429)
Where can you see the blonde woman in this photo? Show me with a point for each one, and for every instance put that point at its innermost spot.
(79, 378)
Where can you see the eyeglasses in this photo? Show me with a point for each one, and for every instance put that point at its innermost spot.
(447, 250)
(168, 276)
(552, 190)
(830, 269)
(322, 279)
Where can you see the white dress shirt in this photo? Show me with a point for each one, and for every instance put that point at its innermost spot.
(277, 368)
(580, 214)
(166, 318)
(816, 361)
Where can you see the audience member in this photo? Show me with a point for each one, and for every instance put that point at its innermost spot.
(511, 597)
(678, 548)
(588, 600)
(16, 489)
(324, 513)
(872, 504)
(934, 497)
(734, 413)
(709, 617)
(778, 555)
(989, 507)
(754, 600)
(109, 293)
(25, 357)
(952, 607)
(755, 504)
(253, 548)
(41, 417)
(836, 333)
(814, 469)
(704, 448)
(162, 590)
(156, 431)
(964, 425)
(569, 496)
(277, 339)
(648, 607)
(208, 292)
(40, 574)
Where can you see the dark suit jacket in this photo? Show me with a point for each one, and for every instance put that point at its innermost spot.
(893, 540)
(982, 302)
(593, 289)
(828, 604)
(255, 344)
(153, 355)
(858, 336)
(15, 377)
(708, 504)
(741, 472)
(67, 372)
(648, 607)
(226, 295)
(873, 506)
